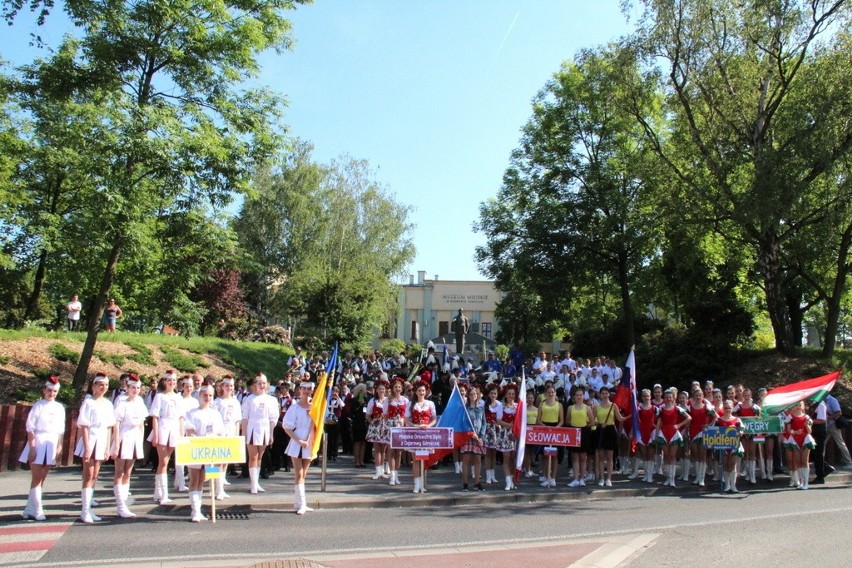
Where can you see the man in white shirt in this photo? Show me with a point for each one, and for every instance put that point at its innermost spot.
(74, 308)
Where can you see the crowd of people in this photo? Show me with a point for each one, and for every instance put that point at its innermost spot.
(372, 394)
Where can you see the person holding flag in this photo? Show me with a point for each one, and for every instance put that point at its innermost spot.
(300, 427)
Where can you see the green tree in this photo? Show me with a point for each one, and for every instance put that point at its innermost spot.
(759, 95)
(577, 211)
(183, 132)
(326, 243)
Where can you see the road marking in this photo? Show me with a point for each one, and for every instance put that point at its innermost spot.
(28, 542)
(210, 559)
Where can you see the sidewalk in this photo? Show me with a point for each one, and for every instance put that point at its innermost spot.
(346, 488)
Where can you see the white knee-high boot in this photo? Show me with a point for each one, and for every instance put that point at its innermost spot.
(804, 473)
(220, 489)
(164, 489)
(297, 499)
(30, 509)
(180, 478)
(684, 474)
(195, 506)
(303, 501)
(417, 485)
(254, 474)
(769, 466)
(121, 503)
(378, 473)
(86, 501)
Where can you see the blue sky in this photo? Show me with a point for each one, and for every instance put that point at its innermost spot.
(432, 93)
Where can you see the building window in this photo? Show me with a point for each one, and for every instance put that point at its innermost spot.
(443, 328)
(486, 329)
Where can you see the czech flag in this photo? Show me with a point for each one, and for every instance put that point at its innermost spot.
(455, 417)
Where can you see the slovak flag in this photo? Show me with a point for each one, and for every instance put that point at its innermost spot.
(455, 416)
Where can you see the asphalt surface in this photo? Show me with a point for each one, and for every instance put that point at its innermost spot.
(354, 509)
(346, 487)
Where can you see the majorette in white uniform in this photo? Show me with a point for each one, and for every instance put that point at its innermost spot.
(168, 409)
(298, 420)
(99, 416)
(46, 421)
(45, 426)
(258, 411)
(130, 416)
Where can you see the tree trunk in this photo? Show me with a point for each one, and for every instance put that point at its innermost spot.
(796, 315)
(626, 302)
(832, 315)
(93, 326)
(768, 261)
(38, 285)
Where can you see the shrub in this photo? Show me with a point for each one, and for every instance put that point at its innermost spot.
(62, 353)
(143, 355)
(111, 358)
(184, 362)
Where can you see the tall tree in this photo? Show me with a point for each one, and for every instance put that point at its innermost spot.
(760, 95)
(330, 241)
(184, 131)
(576, 209)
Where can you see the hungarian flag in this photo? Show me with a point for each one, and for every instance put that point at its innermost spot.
(519, 428)
(814, 390)
(455, 416)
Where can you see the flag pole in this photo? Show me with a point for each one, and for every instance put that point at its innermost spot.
(324, 460)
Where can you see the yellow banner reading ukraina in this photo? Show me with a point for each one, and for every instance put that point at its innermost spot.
(197, 450)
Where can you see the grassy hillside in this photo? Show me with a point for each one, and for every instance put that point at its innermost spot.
(26, 356)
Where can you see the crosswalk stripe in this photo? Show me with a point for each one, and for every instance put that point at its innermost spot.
(28, 542)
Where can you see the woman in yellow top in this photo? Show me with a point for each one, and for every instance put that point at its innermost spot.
(550, 413)
(580, 416)
(606, 414)
(532, 420)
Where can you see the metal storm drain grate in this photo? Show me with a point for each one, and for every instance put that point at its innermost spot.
(232, 515)
(295, 563)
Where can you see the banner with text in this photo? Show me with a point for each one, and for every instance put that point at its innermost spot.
(761, 426)
(198, 450)
(421, 438)
(721, 438)
(553, 436)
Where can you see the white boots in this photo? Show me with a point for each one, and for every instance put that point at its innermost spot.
(418, 485)
(804, 473)
(649, 471)
(394, 477)
(195, 507)
(684, 469)
(220, 489)
(768, 473)
(161, 488)
(180, 479)
(700, 472)
(254, 476)
(379, 472)
(86, 506)
(34, 510)
(121, 492)
(510, 484)
(300, 503)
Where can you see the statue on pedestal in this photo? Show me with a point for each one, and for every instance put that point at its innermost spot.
(461, 325)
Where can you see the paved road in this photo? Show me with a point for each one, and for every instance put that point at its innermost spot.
(361, 522)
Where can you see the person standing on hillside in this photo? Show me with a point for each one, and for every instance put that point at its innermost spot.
(111, 314)
(74, 308)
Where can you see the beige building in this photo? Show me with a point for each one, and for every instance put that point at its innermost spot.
(427, 308)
